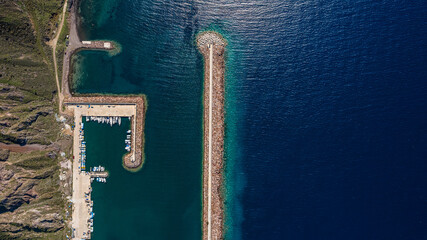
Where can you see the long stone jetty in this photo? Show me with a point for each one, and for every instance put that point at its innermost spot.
(212, 47)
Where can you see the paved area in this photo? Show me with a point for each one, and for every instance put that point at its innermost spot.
(81, 191)
(128, 106)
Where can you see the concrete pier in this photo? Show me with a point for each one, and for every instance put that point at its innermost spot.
(81, 191)
(101, 106)
(98, 174)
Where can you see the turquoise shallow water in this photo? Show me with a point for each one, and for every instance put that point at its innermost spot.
(158, 59)
(325, 121)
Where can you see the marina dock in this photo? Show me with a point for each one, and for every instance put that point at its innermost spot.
(110, 107)
(101, 107)
(82, 203)
(105, 110)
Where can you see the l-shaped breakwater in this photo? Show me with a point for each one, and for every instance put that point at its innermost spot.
(212, 47)
(116, 106)
(74, 45)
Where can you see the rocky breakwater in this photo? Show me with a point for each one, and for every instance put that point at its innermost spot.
(133, 160)
(213, 161)
(74, 48)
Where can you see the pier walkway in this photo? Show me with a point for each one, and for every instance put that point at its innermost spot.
(98, 174)
(212, 46)
(81, 192)
(101, 106)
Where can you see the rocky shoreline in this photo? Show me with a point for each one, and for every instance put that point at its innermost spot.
(204, 40)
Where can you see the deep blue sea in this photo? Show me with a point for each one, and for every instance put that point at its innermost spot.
(326, 110)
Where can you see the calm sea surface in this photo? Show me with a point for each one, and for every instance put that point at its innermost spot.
(326, 114)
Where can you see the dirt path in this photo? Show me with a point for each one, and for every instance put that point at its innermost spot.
(25, 148)
(53, 44)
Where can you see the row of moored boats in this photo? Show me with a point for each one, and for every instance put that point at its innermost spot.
(108, 120)
(82, 155)
(128, 140)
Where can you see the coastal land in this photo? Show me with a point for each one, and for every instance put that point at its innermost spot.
(35, 142)
(212, 47)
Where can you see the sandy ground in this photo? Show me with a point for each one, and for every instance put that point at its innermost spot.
(81, 185)
(24, 148)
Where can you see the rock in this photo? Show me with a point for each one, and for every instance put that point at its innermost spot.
(49, 223)
(4, 124)
(4, 155)
(4, 89)
(22, 192)
(15, 97)
(52, 155)
(5, 174)
(30, 120)
(12, 139)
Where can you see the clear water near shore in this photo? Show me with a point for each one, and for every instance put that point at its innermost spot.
(325, 113)
(170, 199)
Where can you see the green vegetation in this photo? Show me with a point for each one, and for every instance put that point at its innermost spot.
(32, 204)
(26, 59)
(27, 82)
(35, 176)
(61, 45)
